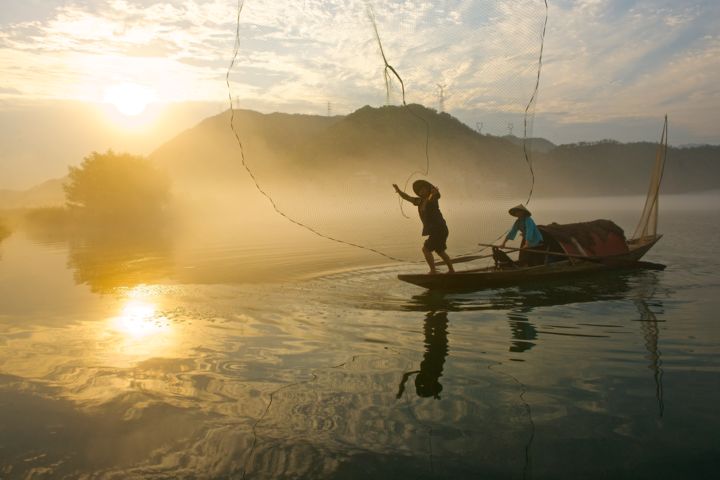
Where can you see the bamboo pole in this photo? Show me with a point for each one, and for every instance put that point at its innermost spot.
(544, 252)
(614, 260)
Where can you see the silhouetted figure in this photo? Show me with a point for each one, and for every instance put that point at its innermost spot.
(427, 380)
(434, 226)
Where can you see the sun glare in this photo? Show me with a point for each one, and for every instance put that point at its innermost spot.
(139, 330)
(139, 320)
(129, 98)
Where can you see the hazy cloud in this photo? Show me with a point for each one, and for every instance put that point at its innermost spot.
(604, 59)
(610, 60)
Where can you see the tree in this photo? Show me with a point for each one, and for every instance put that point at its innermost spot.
(117, 187)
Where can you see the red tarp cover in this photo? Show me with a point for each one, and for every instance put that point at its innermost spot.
(597, 238)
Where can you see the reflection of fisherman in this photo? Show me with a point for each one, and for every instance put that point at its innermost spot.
(523, 332)
(434, 225)
(427, 381)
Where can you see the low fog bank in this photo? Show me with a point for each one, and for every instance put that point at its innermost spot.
(192, 211)
(234, 235)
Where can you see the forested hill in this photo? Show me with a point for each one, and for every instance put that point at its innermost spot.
(373, 147)
(381, 145)
(610, 167)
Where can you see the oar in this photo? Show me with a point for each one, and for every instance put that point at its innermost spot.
(603, 260)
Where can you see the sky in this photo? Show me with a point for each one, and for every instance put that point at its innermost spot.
(90, 75)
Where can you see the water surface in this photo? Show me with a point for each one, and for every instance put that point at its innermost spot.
(181, 358)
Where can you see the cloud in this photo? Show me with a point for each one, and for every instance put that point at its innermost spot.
(309, 45)
(609, 60)
(604, 59)
(80, 47)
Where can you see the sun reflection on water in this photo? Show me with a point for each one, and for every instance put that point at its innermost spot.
(139, 319)
(140, 331)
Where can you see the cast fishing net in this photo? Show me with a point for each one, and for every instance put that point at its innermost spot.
(387, 92)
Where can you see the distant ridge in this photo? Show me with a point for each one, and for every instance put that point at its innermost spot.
(376, 146)
(47, 194)
(370, 139)
(610, 167)
(535, 144)
(382, 144)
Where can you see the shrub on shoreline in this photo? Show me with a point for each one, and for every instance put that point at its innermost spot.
(117, 187)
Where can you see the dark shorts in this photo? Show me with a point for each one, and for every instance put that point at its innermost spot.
(436, 241)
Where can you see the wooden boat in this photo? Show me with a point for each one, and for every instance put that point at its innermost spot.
(567, 251)
(554, 264)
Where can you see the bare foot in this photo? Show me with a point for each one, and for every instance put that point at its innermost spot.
(432, 272)
(450, 271)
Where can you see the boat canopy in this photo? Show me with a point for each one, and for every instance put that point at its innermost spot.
(598, 238)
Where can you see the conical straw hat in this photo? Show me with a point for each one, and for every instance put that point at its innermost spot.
(520, 209)
(420, 184)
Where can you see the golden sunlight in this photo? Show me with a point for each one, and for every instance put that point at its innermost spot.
(129, 98)
(138, 320)
(140, 332)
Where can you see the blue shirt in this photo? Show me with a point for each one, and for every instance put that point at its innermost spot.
(530, 232)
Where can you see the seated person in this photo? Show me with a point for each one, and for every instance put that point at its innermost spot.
(531, 236)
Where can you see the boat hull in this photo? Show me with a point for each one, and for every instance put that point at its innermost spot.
(479, 279)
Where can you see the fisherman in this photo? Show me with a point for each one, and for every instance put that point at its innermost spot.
(531, 236)
(434, 226)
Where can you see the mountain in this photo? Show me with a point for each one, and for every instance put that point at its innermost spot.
(534, 144)
(46, 194)
(609, 167)
(367, 150)
(384, 145)
(209, 153)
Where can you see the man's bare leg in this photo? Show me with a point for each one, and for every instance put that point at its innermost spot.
(447, 261)
(429, 259)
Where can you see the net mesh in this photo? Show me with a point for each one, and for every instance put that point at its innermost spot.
(391, 92)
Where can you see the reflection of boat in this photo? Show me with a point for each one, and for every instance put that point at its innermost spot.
(651, 332)
(568, 250)
(600, 287)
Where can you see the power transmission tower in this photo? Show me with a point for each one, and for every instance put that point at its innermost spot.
(479, 127)
(441, 93)
(329, 105)
(510, 128)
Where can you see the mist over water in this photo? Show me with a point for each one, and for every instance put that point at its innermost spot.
(241, 345)
(228, 307)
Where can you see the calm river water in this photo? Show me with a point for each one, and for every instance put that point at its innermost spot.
(137, 360)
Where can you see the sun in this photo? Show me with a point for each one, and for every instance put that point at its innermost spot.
(129, 99)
